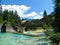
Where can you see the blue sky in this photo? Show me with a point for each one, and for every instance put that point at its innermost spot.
(35, 5)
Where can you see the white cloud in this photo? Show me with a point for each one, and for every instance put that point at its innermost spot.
(21, 9)
(8, 7)
(37, 17)
(32, 14)
(41, 13)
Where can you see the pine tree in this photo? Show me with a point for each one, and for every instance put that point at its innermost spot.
(45, 17)
(5, 15)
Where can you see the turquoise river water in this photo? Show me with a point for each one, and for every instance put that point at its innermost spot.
(19, 39)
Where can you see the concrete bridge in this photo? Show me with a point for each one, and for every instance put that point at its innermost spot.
(9, 28)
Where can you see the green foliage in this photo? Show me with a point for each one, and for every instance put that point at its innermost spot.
(56, 22)
(14, 18)
(1, 18)
(47, 27)
(5, 15)
(45, 14)
(39, 28)
(10, 17)
(45, 17)
(55, 37)
(55, 34)
(49, 32)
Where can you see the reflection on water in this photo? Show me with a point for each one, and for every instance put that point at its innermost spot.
(18, 39)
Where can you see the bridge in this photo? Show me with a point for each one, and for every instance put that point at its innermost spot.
(9, 28)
